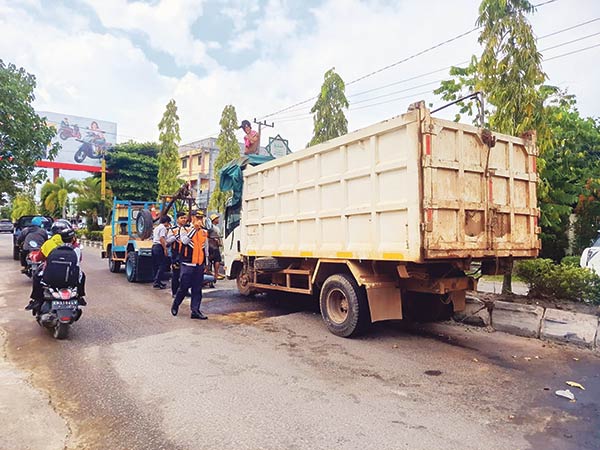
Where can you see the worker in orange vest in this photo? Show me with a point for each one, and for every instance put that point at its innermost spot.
(192, 265)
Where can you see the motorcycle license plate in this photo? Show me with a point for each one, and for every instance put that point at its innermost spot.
(64, 304)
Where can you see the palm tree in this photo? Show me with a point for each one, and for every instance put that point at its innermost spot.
(55, 195)
(89, 202)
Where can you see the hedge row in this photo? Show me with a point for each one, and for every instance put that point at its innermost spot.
(91, 235)
(565, 281)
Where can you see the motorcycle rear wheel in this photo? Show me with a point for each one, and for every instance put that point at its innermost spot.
(61, 331)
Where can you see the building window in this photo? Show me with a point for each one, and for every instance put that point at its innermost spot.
(184, 163)
(200, 160)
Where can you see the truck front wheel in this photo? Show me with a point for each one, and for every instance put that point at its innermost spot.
(344, 306)
(243, 284)
(131, 267)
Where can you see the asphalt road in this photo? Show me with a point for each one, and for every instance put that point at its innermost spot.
(266, 374)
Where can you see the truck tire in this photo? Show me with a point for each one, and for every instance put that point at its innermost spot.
(131, 267)
(144, 224)
(243, 284)
(268, 264)
(344, 306)
(113, 266)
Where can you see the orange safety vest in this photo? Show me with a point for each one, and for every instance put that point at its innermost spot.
(193, 253)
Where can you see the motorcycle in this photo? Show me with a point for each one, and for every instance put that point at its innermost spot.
(91, 147)
(59, 310)
(66, 131)
(33, 261)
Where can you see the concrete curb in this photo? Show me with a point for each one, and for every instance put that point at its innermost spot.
(579, 329)
(92, 244)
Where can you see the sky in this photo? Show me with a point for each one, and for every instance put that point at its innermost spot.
(122, 61)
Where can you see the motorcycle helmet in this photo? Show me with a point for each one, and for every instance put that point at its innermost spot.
(59, 225)
(67, 235)
(37, 221)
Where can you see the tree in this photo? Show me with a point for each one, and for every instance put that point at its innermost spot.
(229, 149)
(24, 136)
(23, 205)
(509, 73)
(168, 156)
(57, 194)
(569, 178)
(89, 201)
(132, 169)
(329, 119)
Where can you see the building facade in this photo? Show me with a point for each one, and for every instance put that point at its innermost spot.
(197, 163)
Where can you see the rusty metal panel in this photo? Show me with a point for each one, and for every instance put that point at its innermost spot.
(385, 302)
(478, 201)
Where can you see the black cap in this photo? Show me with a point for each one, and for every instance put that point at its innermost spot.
(244, 123)
(181, 214)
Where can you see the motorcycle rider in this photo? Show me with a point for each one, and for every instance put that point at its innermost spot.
(31, 238)
(62, 236)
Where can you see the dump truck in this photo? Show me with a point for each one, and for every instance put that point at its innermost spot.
(386, 222)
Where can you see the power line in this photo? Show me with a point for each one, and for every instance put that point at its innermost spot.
(570, 28)
(406, 79)
(397, 92)
(422, 52)
(351, 108)
(295, 107)
(570, 42)
(389, 66)
(573, 52)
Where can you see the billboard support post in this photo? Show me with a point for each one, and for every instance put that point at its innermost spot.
(103, 179)
(55, 174)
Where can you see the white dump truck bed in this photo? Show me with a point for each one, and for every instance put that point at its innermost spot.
(412, 188)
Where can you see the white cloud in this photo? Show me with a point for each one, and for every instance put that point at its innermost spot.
(167, 24)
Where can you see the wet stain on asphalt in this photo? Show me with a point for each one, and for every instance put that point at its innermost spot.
(433, 373)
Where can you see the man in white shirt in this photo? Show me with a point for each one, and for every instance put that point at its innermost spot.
(160, 252)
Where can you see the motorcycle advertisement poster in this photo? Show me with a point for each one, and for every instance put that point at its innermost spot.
(83, 140)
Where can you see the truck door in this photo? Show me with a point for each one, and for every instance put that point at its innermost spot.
(479, 192)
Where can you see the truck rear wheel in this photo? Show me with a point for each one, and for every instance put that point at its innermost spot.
(344, 306)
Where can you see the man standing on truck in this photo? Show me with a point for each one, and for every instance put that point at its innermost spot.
(250, 139)
(192, 266)
(160, 252)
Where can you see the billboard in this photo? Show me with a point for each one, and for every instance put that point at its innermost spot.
(83, 141)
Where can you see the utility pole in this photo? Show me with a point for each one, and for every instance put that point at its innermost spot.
(260, 125)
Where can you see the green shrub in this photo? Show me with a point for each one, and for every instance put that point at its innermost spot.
(563, 281)
(94, 235)
(81, 232)
(571, 260)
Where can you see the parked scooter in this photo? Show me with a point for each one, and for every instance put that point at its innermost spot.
(66, 131)
(32, 261)
(91, 147)
(59, 310)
